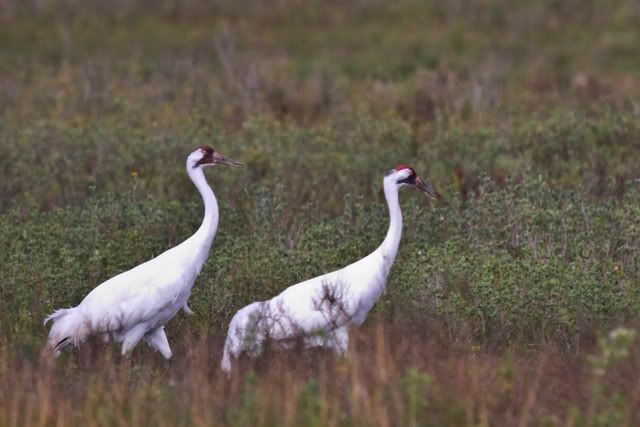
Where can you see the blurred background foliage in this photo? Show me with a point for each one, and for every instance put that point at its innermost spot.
(90, 91)
(525, 115)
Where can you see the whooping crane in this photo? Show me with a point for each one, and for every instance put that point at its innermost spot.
(136, 304)
(320, 310)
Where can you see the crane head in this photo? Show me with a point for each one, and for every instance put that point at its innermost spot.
(207, 156)
(405, 175)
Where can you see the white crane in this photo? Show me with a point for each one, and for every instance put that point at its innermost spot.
(320, 310)
(136, 304)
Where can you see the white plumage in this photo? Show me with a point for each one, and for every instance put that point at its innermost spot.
(320, 310)
(136, 304)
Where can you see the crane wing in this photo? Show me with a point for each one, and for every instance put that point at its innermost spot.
(144, 294)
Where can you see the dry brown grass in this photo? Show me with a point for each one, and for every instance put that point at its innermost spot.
(392, 376)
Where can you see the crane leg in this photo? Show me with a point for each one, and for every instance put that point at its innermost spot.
(158, 340)
(340, 340)
(319, 340)
(132, 338)
(337, 339)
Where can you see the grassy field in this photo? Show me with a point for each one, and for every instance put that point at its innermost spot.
(513, 301)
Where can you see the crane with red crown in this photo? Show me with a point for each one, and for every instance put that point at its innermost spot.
(319, 311)
(136, 304)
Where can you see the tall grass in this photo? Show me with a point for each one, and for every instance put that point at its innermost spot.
(393, 375)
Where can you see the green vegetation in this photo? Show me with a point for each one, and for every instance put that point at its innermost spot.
(525, 115)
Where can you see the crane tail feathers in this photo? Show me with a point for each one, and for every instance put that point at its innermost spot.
(56, 314)
(230, 344)
(226, 362)
(68, 328)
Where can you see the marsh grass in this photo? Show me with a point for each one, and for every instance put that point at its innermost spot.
(394, 374)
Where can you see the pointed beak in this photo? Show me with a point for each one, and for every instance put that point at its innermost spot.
(219, 159)
(426, 187)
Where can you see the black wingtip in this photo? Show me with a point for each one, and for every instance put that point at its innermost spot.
(62, 341)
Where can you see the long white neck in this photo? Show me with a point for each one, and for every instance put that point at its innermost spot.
(207, 231)
(389, 246)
